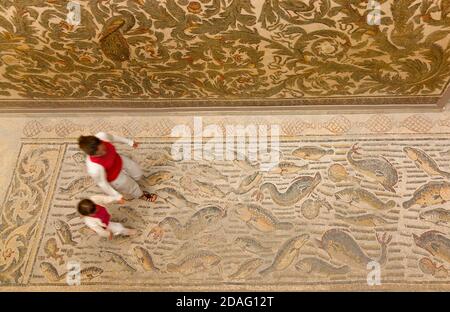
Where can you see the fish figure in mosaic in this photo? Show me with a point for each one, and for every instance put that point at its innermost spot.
(247, 269)
(209, 189)
(423, 161)
(366, 220)
(50, 272)
(337, 173)
(158, 178)
(198, 222)
(429, 194)
(435, 243)
(90, 273)
(251, 245)
(378, 169)
(64, 232)
(287, 254)
(248, 183)
(145, 259)
(437, 216)
(310, 208)
(210, 239)
(52, 275)
(343, 248)
(175, 198)
(209, 171)
(299, 188)
(117, 259)
(158, 158)
(77, 186)
(200, 261)
(288, 167)
(260, 219)
(362, 198)
(428, 266)
(312, 265)
(311, 152)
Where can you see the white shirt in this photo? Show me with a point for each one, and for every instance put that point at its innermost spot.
(95, 223)
(97, 171)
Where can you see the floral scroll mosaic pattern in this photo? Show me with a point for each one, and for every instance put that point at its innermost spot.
(223, 49)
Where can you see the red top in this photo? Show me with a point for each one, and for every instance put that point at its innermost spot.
(111, 161)
(102, 214)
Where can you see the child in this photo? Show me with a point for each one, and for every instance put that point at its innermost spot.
(97, 217)
(115, 174)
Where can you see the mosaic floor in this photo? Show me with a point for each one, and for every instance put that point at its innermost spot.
(340, 198)
(223, 53)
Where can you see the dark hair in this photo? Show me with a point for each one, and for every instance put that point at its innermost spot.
(86, 207)
(89, 144)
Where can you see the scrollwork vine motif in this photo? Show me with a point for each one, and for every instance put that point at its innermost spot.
(222, 48)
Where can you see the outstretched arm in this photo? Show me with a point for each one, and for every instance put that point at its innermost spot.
(102, 199)
(114, 138)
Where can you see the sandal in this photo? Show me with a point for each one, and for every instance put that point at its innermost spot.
(150, 197)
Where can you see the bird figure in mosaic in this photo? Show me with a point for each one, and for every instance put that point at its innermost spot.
(112, 41)
(297, 7)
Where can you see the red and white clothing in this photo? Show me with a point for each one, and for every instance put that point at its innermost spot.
(100, 222)
(115, 174)
(102, 214)
(111, 162)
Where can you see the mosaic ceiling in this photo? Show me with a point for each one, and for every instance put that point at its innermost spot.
(222, 53)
